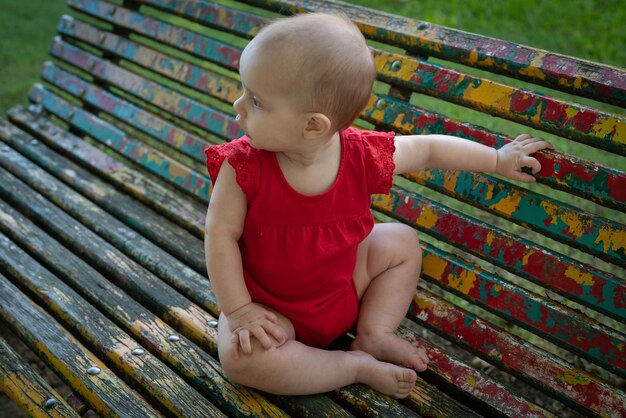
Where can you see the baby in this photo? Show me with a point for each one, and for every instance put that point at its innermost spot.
(292, 251)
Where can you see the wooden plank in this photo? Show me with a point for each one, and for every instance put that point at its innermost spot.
(562, 326)
(188, 214)
(167, 235)
(587, 179)
(570, 385)
(105, 338)
(105, 393)
(219, 86)
(27, 389)
(199, 369)
(193, 364)
(566, 172)
(583, 283)
(187, 318)
(154, 161)
(189, 41)
(539, 111)
(560, 72)
(213, 15)
(179, 105)
(190, 283)
(99, 99)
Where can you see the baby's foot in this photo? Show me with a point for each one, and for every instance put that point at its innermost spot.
(386, 378)
(387, 346)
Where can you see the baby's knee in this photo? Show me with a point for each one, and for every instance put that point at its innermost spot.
(407, 241)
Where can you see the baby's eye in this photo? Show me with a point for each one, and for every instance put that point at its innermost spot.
(255, 102)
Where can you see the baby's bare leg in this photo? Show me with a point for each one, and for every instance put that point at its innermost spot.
(388, 266)
(296, 369)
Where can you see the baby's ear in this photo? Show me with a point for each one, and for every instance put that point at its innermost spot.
(317, 125)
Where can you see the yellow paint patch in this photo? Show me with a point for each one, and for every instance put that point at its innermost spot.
(383, 201)
(489, 95)
(579, 276)
(611, 239)
(575, 227)
(428, 218)
(573, 378)
(527, 256)
(464, 282)
(434, 266)
(450, 180)
(471, 381)
(508, 205)
(533, 70)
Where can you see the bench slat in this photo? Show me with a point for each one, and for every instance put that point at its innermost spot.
(187, 214)
(192, 42)
(105, 393)
(158, 229)
(548, 372)
(188, 319)
(590, 180)
(581, 123)
(203, 372)
(189, 144)
(105, 339)
(190, 283)
(559, 72)
(600, 237)
(219, 86)
(581, 282)
(556, 323)
(27, 389)
(203, 116)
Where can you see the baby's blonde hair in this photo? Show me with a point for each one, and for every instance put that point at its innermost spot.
(331, 63)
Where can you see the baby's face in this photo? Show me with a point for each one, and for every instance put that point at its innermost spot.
(267, 111)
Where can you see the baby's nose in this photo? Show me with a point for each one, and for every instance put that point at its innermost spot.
(239, 108)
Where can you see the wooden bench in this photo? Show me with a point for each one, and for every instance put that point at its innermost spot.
(103, 192)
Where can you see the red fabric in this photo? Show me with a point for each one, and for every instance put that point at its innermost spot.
(299, 251)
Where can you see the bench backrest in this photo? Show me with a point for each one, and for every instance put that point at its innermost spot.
(528, 278)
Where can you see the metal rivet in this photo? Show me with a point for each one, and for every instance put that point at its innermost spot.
(93, 370)
(138, 351)
(381, 104)
(396, 65)
(213, 323)
(33, 142)
(173, 338)
(422, 26)
(112, 11)
(36, 109)
(102, 37)
(37, 99)
(70, 113)
(50, 403)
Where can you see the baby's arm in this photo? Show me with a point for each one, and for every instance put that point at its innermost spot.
(223, 228)
(416, 152)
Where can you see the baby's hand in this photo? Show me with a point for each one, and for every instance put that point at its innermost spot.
(253, 320)
(515, 156)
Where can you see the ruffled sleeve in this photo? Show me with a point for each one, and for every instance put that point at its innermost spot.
(242, 157)
(378, 150)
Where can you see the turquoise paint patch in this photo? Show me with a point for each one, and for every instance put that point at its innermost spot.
(533, 311)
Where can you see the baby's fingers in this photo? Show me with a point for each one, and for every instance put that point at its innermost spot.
(531, 163)
(277, 332)
(243, 337)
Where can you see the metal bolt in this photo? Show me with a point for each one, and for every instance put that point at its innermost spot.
(381, 104)
(50, 403)
(36, 108)
(173, 338)
(103, 37)
(396, 65)
(112, 11)
(33, 142)
(138, 351)
(93, 370)
(422, 26)
(213, 323)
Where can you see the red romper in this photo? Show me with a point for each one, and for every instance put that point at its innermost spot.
(299, 251)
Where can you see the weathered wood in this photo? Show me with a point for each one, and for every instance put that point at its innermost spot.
(549, 373)
(597, 289)
(27, 389)
(560, 72)
(186, 213)
(145, 371)
(139, 217)
(105, 393)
